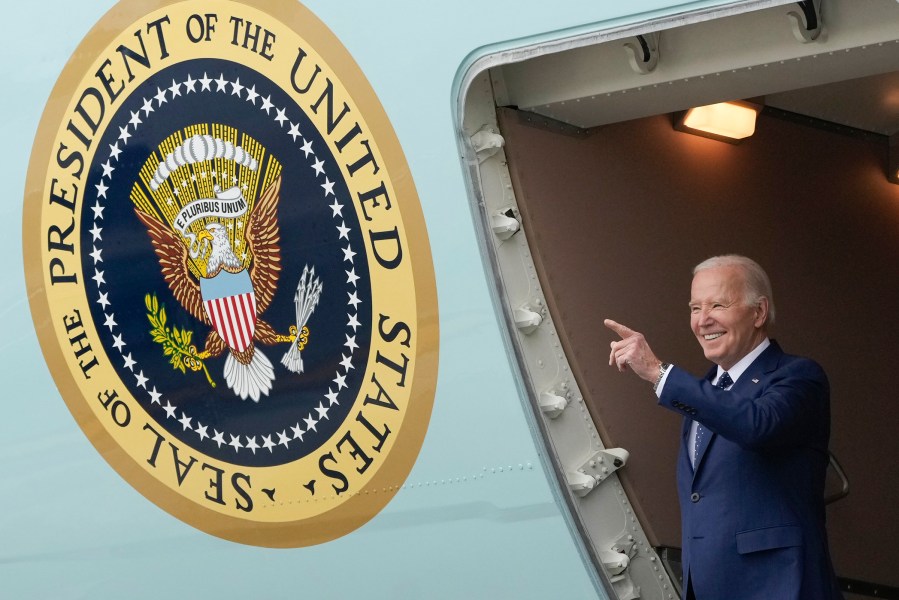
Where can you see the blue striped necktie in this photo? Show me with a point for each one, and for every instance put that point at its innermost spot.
(724, 382)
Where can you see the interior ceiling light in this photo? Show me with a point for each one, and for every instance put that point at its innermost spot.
(725, 121)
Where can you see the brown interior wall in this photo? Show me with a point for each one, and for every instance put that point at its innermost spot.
(617, 220)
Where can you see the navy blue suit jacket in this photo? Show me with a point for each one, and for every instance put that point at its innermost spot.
(752, 510)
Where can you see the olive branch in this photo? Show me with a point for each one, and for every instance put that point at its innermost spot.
(175, 342)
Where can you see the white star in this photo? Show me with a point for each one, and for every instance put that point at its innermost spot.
(190, 84)
(148, 106)
(96, 231)
(114, 151)
(185, 422)
(175, 89)
(297, 432)
(98, 210)
(101, 189)
(154, 395)
(98, 277)
(351, 343)
(204, 83)
(129, 364)
(103, 300)
(135, 119)
(201, 431)
(351, 277)
(169, 410)
(251, 444)
(337, 208)
(108, 168)
(332, 397)
(348, 253)
(294, 131)
(110, 321)
(319, 166)
(141, 380)
(235, 442)
(344, 231)
(347, 363)
(96, 255)
(124, 135)
(252, 95)
(118, 343)
(328, 186)
(310, 423)
(267, 443)
(354, 322)
(218, 438)
(307, 148)
(266, 105)
(283, 439)
(340, 380)
(322, 411)
(160, 97)
(280, 116)
(236, 88)
(220, 84)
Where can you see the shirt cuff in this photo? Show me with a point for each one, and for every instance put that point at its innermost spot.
(662, 381)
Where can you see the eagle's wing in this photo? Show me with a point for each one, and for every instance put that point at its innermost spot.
(173, 259)
(262, 238)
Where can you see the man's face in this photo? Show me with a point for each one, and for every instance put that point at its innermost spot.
(726, 327)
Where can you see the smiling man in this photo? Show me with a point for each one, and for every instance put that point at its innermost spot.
(753, 454)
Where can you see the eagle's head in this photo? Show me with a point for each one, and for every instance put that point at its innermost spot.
(221, 255)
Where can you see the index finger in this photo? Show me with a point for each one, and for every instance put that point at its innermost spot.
(618, 328)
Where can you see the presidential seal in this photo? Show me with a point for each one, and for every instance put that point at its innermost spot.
(229, 271)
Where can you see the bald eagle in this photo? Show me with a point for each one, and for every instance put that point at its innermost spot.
(248, 372)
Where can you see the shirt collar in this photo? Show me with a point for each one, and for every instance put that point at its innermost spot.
(743, 364)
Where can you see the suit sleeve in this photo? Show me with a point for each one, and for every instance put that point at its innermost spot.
(788, 407)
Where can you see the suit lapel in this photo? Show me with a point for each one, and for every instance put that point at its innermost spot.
(685, 440)
(758, 371)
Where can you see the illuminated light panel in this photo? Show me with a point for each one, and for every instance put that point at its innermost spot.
(727, 119)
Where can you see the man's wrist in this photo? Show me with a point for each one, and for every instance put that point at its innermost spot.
(663, 368)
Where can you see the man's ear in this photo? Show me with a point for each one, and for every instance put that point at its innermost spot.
(761, 313)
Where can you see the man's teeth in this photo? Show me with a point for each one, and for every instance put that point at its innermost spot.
(712, 336)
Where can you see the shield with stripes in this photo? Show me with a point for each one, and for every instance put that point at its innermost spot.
(231, 306)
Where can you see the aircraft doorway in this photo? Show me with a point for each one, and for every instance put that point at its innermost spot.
(615, 207)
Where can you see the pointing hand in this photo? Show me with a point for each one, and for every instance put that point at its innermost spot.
(632, 351)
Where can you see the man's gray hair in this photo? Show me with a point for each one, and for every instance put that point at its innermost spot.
(757, 283)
